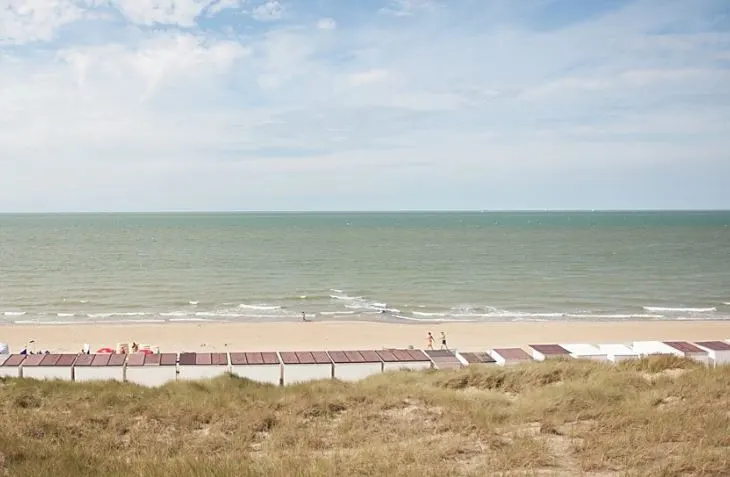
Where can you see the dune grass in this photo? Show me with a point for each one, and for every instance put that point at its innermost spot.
(654, 417)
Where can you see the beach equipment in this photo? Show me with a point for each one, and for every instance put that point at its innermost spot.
(11, 365)
(616, 352)
(510, 356)
(398, 359)
(475, 359)
(151, 369)
(541, 352)
(99, 367)
(105, 350)
(262, 367)
(202, 365)
(356, 364)
(718, 352)
(49, 366)
(443, 359)
(585, 351)
(4, 348)
(302, 366)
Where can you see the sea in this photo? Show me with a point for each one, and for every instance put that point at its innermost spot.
(406, 267)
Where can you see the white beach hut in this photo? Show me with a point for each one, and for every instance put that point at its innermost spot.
(682, 349)
(585, 351)
(510, 356)
(302, 366)
(196, 366)
(618, 352)
(49, 366)
(262, 367)
(12, 365)
(151, 369)
(355, 365)
(541, 352)
(718, 352)
(99, 367)
(401, 359)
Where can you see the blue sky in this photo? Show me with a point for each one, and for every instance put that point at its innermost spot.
(144, 105)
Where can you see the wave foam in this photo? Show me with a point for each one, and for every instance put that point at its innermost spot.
(13, 313)
(262, 307)
(660, 309)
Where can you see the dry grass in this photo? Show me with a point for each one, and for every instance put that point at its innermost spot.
(553, 418)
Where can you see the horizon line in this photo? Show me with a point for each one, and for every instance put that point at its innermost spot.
(353, 211)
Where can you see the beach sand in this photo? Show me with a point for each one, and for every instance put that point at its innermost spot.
(341, 335)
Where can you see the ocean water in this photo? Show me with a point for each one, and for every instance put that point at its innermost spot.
(402, 267)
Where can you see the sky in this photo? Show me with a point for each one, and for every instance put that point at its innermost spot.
(182, 105)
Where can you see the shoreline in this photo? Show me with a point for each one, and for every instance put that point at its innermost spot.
(339, 335)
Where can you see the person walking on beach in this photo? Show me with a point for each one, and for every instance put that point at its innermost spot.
(429, 341)
(443, 341)
(304, 316)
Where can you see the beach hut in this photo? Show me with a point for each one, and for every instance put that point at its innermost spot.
(443, 359)
(677, 348)
(99, 367)
(49, 366)
(301, 366)
(616, 352)
(12, 365)
(585, 351)
(151, 369)
(717, 351)
(509, 356)
(262, 367)
(541, 352)
(475, 359)
(193, 366)
(355, 365)
(400, 359)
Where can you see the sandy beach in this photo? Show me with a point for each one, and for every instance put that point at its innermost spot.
(341, 335)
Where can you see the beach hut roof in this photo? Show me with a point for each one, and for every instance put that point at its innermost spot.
(305, 357)
(477, 358)
(517, 354)
(254, 358)
(355, 356)
(714, 345)
(550, 349)
(684, 347)
(402, 355)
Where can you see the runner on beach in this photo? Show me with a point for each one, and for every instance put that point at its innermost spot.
(429, 341)
(443, 341)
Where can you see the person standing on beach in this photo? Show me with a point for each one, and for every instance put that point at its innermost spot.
(429, 341)
(443, 341)
(304, 316)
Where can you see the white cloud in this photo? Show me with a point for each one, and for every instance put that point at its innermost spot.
(220, 5)
(406, 8)
(457, 101)
(23, 21)
(375, 75)
(270, 11)
(326, 24)
(173, 12)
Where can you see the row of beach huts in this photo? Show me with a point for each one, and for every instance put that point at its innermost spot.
(289, 367)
